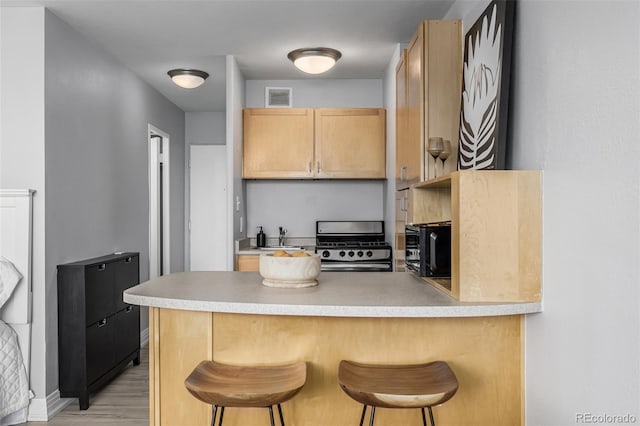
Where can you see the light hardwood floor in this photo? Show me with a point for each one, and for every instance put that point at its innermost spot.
(123, 402)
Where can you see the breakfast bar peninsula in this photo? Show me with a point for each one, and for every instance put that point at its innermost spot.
(367, 317)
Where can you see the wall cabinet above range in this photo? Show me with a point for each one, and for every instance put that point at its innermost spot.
(321, 143)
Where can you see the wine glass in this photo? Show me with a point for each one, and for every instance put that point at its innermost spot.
(434, 148)
(445, 153)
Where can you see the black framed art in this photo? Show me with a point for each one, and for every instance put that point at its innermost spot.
(485, 88)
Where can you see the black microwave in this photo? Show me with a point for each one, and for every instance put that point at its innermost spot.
(428, 249)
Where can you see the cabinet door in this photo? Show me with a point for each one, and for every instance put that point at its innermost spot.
(403, 154)
(248, 263)
(411, 149)
(126, 276)
(100, 353)
(278, 143)
(99, 291)
(402, 198)
(126, 325)
(350, 143)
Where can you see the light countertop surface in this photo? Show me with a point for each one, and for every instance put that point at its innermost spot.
(339, 294)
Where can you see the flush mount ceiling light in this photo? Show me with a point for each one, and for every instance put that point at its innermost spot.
(188, 79)
(314, 60)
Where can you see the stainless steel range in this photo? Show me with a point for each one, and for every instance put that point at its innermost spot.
(353, 246)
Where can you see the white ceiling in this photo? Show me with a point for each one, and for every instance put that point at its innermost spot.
(150, 37)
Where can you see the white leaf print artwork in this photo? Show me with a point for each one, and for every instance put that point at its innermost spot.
(480, 96)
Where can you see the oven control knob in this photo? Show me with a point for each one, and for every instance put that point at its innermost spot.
(326, 253)
(369, 253)
(341, 253)
(360, 254)
(351, 254)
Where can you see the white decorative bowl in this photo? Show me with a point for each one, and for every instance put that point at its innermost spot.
(289, 272)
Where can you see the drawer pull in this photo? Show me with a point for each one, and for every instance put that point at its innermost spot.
(102, 322)
(127, 260)
(102, 267)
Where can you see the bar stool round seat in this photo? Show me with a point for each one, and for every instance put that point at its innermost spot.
(398, 386)
(223, 385)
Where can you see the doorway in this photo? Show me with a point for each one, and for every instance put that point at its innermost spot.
(209, 246)
(159, 203)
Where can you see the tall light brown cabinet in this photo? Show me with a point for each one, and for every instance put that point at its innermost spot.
(428, 87)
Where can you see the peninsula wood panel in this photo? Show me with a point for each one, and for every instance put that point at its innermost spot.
(485, 354)
(350, 143)
(278, 143)
(180, 340)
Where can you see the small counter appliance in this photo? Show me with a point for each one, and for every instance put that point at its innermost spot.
(428, 249)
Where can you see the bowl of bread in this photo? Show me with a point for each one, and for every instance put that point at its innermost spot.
(285, 269)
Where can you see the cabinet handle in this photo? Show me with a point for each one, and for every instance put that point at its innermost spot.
(317, 167)
(309, 168)
(127, 260)
(402, 169)
(129, 308)
(102, 322)
(402, 205)
(102, 267)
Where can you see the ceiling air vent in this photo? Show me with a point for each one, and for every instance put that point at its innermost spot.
(277, 97)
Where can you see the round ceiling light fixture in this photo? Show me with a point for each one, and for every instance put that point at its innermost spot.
(314, 60)
(187, 78)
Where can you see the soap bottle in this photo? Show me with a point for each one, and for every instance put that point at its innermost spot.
(261, 238)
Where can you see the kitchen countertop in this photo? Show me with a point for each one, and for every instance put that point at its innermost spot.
(339, 294)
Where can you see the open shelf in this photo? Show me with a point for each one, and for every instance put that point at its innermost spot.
(496, 231)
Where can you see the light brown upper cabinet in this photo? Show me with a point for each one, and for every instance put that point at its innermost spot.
(278, 143)
(321, 143)
(428, 103)
(350, 143)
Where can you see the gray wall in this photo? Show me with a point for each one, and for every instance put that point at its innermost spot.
(74, 128)
(576, 116)
(296, 205)
(97, 201)
(237, 199)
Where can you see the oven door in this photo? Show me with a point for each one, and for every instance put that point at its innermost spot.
(356, 266)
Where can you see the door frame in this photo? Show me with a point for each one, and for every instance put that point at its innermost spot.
(154, 160)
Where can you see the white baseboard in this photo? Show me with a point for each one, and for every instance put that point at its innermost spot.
(43, 409)
(144, 337)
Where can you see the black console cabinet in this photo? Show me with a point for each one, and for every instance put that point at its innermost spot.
(98, 334)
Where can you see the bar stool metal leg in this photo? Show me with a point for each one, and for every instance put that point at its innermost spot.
(271, 415)
(424, 418)
(214, 411)
(373, 414)
(221, 414)
(364, 411)
(281, 416)
(433, 422)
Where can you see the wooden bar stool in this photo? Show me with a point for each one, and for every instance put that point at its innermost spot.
(398, 386)
(223, 385)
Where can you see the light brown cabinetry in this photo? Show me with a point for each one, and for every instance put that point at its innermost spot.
(350, 143)
(496, 232)
(248, 262)
(428, 89)
(402, 210)
(321, 143)
(278, 143)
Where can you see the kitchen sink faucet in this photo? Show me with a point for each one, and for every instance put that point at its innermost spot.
(281, 236)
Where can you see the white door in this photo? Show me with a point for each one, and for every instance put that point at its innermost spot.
(208, 207)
